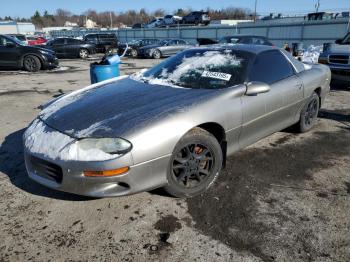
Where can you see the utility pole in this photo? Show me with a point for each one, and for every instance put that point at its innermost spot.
(110, 17)
(256, 3)
(317, 5)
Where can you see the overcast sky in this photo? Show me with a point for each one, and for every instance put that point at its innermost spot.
(26, 8)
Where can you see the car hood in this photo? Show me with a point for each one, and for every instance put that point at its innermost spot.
(118, 108)
(40, 47)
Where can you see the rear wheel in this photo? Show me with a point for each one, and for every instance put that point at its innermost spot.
(83, 53)
(31, 63)
(194, 165)
(309, 113)
(157, 54)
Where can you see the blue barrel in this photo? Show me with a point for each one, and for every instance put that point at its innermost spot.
(100, 73)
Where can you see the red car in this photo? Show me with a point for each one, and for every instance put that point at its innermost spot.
(33, 40)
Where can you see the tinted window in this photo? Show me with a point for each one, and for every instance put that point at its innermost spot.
(297, 64)
(73, 41)
(182, 42)
(270, 67)
(4, 41)
(106, 36)
(258, 41)
(58, 42)
(245, 40)
(90, 37)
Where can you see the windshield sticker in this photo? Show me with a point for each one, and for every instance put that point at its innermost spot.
(216, 75)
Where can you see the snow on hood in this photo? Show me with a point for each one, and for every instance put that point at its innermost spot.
(120, 108)
(44, 141)
(65, 100)
(311, 54)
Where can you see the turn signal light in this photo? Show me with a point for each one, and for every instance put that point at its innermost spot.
(107, 173)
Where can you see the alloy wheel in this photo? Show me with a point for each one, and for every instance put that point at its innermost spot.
(192, 165)
(311, 112)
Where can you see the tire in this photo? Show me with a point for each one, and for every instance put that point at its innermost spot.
(133, 53)
(308, 114)
(83, 53)
(31, 63)
(156, 54)
(194, 165)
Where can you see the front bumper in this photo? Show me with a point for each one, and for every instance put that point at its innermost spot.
(48, 164)
(140, 177)
(50, 62)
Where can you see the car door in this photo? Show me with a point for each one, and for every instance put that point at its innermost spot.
(181, 45)
(9, 53)
(58, 45)
(173, 47)
(72, 47)
(266, 113)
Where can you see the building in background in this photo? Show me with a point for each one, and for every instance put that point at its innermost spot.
(13, 27)
(90, 24)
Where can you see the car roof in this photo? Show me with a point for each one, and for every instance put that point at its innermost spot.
(244, 35)
(255, 49)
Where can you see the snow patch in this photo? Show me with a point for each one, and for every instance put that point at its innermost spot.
(73, 96)
(42, 140)
(311, 54)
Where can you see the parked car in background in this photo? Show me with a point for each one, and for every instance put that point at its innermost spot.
(174, 125)
(33, 40)
(14, 54)
(236, 39)
(104, 43)
(19, 37)
(156, 22)
(172, 19)
(164, 48)
(337, 57)
(135, 45)
(138, 26)
(197, 17)
(71, 48)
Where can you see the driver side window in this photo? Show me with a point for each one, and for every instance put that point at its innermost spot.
(4, 41)
(270, 67)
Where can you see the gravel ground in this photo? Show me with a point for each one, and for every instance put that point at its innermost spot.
(286, 198)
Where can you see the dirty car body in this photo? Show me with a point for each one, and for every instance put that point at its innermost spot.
(152, 111)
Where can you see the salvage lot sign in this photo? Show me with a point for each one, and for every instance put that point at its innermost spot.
(216, 75)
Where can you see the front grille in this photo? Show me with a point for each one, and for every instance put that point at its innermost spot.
(339, 59)
(341, 72)
(46, 169)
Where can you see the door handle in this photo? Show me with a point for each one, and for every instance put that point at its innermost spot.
(299, 86)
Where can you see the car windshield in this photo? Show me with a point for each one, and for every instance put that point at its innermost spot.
(164, 42)
(200, 69)
(347, 39)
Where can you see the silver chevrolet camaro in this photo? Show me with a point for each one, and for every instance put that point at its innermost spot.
(173, 125)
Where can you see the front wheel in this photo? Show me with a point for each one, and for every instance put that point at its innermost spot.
(31, 63)
(83, 53)
(309, 113)
(194, 165)
(157, 54)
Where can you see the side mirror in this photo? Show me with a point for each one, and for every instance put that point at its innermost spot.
(254, 88)
(10, 44)
(338, 41)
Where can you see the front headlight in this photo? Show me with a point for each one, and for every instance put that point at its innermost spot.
(107, 145)
(45, 52)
